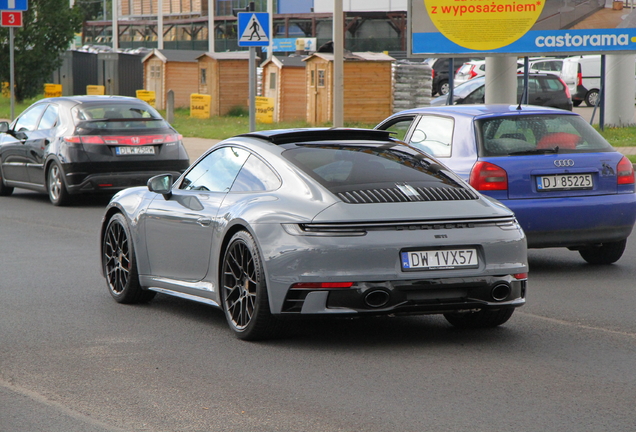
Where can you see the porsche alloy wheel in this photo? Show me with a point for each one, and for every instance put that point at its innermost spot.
(119, 265)
(244, 294)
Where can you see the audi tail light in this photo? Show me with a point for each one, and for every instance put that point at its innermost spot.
(486, 176)
(625, 171)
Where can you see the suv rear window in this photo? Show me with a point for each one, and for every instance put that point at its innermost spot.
(343, 169)
(535, 134)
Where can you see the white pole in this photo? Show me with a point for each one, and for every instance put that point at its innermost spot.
(252, 88)
(211, 32)
(11, 73)
(270, 11)
(115, 25)
(338, 64)
(160, 24)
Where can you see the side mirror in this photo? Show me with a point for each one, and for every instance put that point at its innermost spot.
(161, 184)
(4, 127)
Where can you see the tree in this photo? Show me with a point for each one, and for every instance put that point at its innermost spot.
(48, 29)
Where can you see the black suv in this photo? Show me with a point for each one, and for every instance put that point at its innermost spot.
(440, 72)
(543, 90)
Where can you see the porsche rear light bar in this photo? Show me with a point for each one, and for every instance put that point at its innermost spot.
(123, 140)
(321, 285)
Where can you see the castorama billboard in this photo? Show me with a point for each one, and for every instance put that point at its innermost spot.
(522, 27)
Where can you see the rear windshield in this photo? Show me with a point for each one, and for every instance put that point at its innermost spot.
(343, 168)
(111, 117)
(536, 134)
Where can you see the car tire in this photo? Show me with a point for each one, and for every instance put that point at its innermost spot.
(576, 102)
(591, 97)
(484, 318)
(605, 254)
(55, 185)
(4, 189)
(120, 265)
(443, 88)
(243, 290)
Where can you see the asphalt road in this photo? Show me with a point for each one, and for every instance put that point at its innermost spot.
(71, 359)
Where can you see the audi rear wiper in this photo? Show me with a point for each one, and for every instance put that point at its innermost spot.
(536, 151)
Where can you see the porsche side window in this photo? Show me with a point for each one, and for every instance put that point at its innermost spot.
(255, 176)
(217, 171)
(434, 135)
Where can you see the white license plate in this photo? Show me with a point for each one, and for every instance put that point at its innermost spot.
(439, 259)
(135, 150)
(564, 181)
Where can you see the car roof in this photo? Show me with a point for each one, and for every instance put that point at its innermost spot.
(74, 100)
(479, 110)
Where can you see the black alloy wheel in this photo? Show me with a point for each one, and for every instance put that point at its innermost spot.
(243, 290)
(119, 263)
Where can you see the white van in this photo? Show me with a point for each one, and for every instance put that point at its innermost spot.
(582, 75)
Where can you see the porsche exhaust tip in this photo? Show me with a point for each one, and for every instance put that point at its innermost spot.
(500, 292)
(376, 298)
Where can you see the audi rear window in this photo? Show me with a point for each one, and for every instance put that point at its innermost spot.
(538, 134)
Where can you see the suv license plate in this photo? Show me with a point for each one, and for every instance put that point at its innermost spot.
(135, 150)
(439, 259)
(564, 181)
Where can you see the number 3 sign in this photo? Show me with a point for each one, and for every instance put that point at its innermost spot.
(11, 19)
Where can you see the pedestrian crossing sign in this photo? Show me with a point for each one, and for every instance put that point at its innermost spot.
(253, 29)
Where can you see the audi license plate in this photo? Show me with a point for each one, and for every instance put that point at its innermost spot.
(439, 259)
(564, 181)
(135, 150)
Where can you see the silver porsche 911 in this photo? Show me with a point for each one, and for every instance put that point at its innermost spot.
(339, 222)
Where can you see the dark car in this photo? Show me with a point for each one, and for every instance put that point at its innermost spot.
(87, 144)
(316, 222)
(565, 183)
(543, 90)
(440, 73)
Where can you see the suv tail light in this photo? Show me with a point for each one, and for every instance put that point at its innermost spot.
(567, 89)
(472, 72)
(486, 176)
(625, 171)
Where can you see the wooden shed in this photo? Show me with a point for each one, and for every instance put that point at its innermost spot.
(368, 87)
(284, 80)
(225, 77)
(174, 70)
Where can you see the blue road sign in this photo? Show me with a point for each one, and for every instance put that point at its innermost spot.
(253, 29)
(13, 5)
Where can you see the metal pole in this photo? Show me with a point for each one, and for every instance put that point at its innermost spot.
(114, 25)
(160, 24)
(338, 64)
(451, 82)
(252, 88)
(270, 11)
(211, 29)
(11, 73)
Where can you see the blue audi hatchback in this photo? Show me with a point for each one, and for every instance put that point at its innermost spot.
(565, 183)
